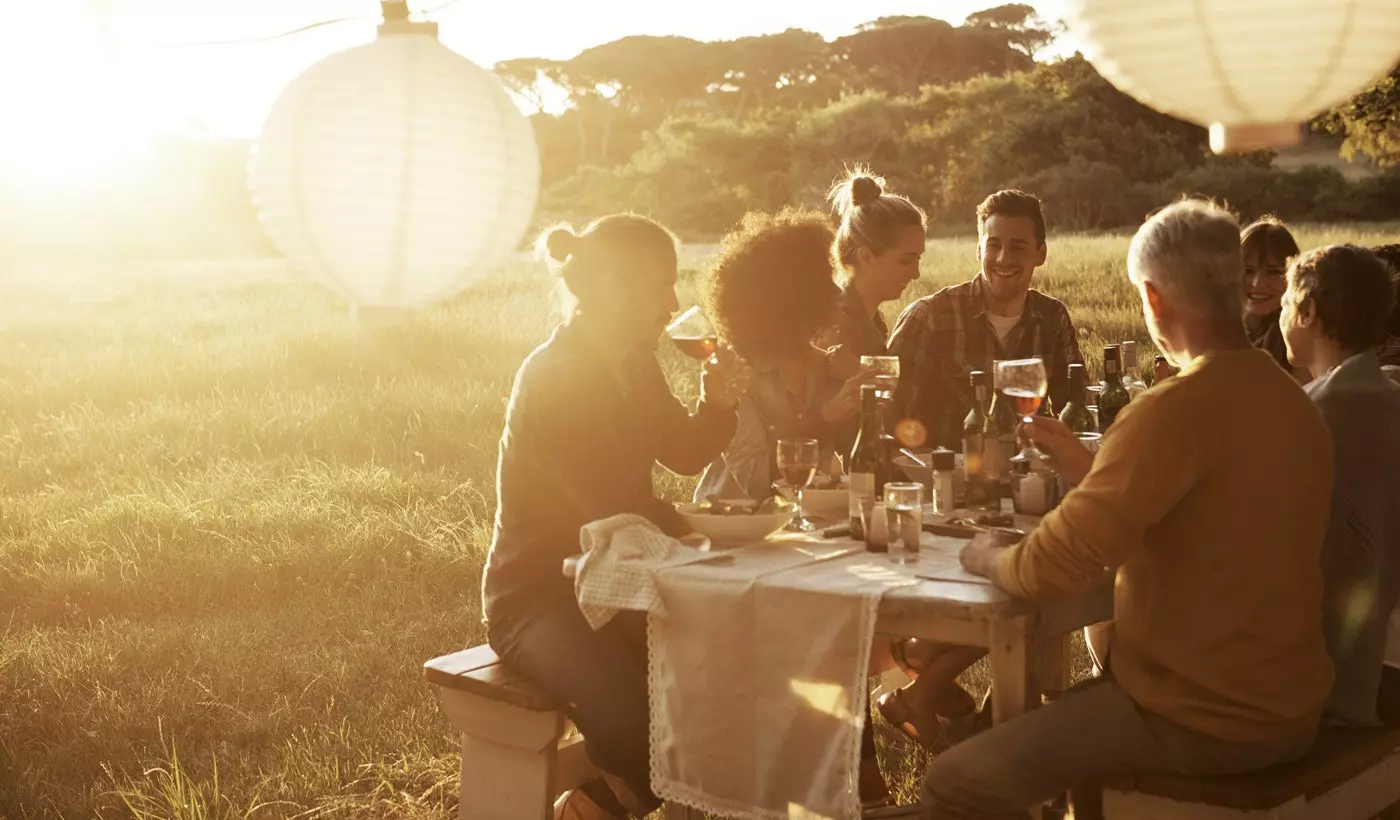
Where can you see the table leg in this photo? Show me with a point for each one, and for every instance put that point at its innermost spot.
(1011, 679)
(1012, 675)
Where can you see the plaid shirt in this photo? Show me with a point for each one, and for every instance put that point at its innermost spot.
(942, 338)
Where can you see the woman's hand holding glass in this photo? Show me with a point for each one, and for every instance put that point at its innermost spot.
(724, 378)
(845, 405)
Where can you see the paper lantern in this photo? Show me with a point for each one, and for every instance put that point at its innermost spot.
(1254, 71)
(396, 172)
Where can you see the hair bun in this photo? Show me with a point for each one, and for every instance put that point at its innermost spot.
(561, 243)
(865, 190)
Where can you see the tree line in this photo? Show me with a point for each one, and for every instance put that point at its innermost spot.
(698, 133)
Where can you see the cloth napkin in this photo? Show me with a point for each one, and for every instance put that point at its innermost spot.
(620, 555)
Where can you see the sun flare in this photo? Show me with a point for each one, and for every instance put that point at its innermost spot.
(71, 108)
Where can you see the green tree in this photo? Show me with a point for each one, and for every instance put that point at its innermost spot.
(1371, 122)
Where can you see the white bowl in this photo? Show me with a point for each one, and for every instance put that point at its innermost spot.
(834, 503)
(735, 530)
(826, 503)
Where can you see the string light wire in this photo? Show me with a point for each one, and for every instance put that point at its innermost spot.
(362, 18)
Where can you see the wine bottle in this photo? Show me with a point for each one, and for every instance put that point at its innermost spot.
(1161, 370)
(1114, 396)
(999, 433)
(870, 464)
(1076, 415)
(1132, 378)
(974, 449)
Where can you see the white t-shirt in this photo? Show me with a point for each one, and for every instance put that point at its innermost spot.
(1002, 325)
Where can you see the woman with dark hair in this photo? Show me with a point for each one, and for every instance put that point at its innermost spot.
(772, 291)
(1266, 245)
(879, 245)
(589, 416)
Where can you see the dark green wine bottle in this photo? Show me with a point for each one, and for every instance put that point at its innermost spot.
(870, 464)
(1114, 396)
(1076, 415)
(974, 446)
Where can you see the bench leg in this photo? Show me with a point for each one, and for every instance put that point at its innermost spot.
(501, 782)
(509, 758)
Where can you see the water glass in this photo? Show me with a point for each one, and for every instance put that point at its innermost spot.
(904, 516)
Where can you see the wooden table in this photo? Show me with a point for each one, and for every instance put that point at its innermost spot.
(1025, 641)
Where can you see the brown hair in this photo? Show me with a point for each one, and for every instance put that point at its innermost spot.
(1012, 203)
(1268, 238)
(1390, 255)
(773, 287)
(870, 218)
(619, 245)
(1351, 289)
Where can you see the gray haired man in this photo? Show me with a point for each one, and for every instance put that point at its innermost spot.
(1211, 670)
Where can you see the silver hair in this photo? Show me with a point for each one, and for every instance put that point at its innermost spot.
(1190, 251)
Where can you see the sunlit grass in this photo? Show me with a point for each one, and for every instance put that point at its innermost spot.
(233, 524)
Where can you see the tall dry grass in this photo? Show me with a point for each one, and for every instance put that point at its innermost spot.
(234, 523)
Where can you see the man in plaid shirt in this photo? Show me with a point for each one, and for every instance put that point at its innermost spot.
(942, 338)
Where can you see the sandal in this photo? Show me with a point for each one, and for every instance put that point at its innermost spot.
(925, 730)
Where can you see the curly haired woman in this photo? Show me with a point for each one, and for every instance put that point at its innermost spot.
(772, 291)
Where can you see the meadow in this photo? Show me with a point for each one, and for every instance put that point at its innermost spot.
(234, 523)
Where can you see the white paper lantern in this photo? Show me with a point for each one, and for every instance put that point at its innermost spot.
(396, 172)
(1252, 70)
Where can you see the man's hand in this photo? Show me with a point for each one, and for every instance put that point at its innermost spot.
(1072, 459)
(980, 555)
(724, 379)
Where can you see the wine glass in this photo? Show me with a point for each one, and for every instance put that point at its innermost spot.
(885, 369)
(797, 461)
(694, 335)
(1024, 381)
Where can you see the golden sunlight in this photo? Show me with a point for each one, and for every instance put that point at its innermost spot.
(75, 114)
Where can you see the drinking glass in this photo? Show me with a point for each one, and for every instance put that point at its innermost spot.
(797, 461)
(1024, 381)
(904, 512)
(886, 372)
(694, 335)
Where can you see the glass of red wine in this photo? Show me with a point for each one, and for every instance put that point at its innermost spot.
(797, 461)
(1024, 382)
(694, 335)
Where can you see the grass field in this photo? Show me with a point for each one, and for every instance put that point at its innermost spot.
(233, 524)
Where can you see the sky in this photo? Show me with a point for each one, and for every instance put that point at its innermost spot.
(140, 80)
(87, 84)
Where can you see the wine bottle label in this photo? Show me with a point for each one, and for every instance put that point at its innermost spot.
(862, 495)
(996, 459)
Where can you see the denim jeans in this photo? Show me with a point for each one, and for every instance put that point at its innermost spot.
(601, 677)
(1095, 729)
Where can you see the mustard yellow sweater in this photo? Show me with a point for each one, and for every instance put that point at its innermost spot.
(1210, 498)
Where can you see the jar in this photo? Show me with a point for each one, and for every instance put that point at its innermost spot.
(1034, 489)
(944, 485)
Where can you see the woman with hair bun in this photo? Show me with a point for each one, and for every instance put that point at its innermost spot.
(879, 245)
(589, 416)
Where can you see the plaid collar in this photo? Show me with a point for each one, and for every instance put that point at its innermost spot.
(978, 304)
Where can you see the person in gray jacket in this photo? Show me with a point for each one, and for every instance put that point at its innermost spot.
(1335, 312)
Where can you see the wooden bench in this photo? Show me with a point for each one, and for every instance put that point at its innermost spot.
(1350, 774)
(518, 749)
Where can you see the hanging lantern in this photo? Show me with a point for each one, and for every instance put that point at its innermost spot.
(1253, 71)
(397, 172)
